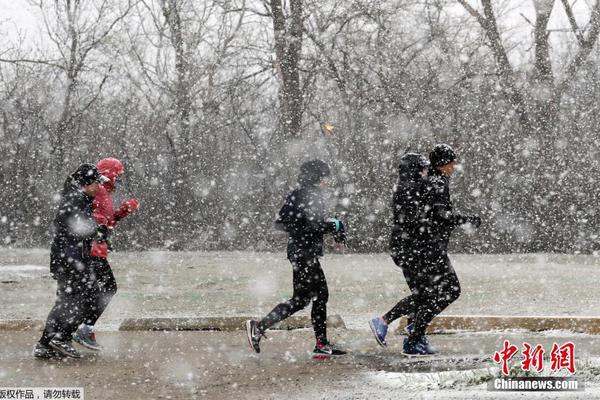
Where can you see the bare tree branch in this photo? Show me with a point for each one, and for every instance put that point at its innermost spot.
(572, 21)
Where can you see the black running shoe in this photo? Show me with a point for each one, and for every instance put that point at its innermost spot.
(44, 351)
(254, 335)
(64, 348)
(325, 350)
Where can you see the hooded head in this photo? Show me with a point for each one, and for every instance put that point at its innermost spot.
(111, 168)
(411, 166)
(311, 172)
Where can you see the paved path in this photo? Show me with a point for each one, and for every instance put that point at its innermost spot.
(219, 365)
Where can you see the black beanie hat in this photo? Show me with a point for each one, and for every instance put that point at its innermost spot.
(441, 154)
(311, 172)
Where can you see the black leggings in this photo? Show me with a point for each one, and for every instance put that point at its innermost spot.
(80, 297)
(309, 284)
(73, 302)
(104, 288)
(434, 286)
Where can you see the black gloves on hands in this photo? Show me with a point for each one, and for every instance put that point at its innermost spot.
(474, 220)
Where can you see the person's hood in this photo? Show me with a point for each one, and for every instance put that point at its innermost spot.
(110, 168)
(410, 167)
(311, 172)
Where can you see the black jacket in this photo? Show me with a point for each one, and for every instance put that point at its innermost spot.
(411, 224)
(75, 228)
(303, 216)
(442, 217)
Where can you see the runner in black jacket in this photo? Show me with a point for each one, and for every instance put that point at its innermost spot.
(421, 249)
(410, 239)
(75, 229)
(304, 217)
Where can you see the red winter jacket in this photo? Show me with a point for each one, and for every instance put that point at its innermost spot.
(104, 213)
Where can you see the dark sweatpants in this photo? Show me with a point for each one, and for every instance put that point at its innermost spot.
(309, 284)
(74, 299)
(104, 288)
(434, 286)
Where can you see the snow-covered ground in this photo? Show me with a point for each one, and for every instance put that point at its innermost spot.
(361, 286)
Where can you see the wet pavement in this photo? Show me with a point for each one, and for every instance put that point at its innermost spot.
(220, 365)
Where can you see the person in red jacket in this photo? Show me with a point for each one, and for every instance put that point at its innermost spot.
(105, 284)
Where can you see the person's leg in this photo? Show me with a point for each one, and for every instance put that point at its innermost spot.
(320, 296)
(56, 315)
(444, 288)
(104, 289)
(414, 279)
(68, 312)
(300, 298)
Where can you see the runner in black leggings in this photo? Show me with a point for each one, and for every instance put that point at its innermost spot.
(69, 263)
(423, 222)
(303, 216)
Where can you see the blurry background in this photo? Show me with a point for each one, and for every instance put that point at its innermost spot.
(212, 105)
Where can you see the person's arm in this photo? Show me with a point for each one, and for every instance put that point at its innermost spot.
(73, 220)
(316, 216)
(126, 208)
(442, 212)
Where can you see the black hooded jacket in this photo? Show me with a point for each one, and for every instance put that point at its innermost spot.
(410, 207)
(75, 228)
(442, 216)
(304, 214)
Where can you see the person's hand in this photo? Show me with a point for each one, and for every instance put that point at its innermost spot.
(126, 208)
(130, 206)
(339, 234)
(102, 233)
(474, 220)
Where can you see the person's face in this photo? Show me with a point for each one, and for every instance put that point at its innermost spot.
(448, 169)
(324, 184)
(92, 189)
(424, 172)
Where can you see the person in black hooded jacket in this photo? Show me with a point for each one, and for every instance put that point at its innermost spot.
(304, 217)
(423, 222)
(75, 229)
(410, 239)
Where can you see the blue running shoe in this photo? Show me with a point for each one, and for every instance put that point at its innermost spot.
(379, 329)
(410, 328)
(418, 348)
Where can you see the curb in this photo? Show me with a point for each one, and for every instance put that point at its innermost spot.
(479, 323)
(20, 325)
(226, 324)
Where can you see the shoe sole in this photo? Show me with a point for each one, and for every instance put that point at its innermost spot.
(418, 355)
(83, 343)
(48, 356)
(64, 353)
(382, 344)
(249, 336)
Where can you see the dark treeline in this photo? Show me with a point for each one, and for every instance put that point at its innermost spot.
(212, 105)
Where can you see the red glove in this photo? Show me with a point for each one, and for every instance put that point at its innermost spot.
(127, 208)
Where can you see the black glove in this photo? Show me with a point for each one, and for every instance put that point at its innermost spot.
(102, 233)
(474, 220)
